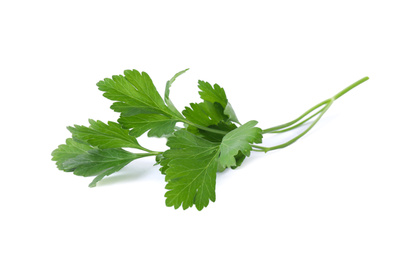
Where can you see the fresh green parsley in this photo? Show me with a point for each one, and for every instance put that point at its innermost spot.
(203, 139)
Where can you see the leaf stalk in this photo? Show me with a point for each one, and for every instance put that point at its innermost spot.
(292, 124)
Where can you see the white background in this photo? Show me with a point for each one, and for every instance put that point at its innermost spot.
(338, 193)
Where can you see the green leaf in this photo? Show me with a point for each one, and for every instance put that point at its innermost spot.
(212, 94)
(239, 140)
(157, 125)
(103, 136)
(190, 169)
(96, 160)
(215, 137)
(129, 110)
(100, 162)
(204, 114)
(167, 92)
(135, 90)
(231, 113)
(67, 151)
(191, 163)
(137, 96)
(239, 159)
(216, 94)
(85, 160)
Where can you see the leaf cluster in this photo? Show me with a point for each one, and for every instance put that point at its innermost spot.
(203, 139)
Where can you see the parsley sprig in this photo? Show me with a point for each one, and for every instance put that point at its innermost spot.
(203, 139)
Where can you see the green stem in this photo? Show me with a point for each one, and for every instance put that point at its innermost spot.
(205, 128)
(266, 149)
(297, 125)
(338, 95)
(274, 128)
(152, 153)
(144, 149)
(328, 103)
(357, 83)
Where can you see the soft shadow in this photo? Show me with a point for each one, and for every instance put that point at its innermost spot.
(134, 171)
